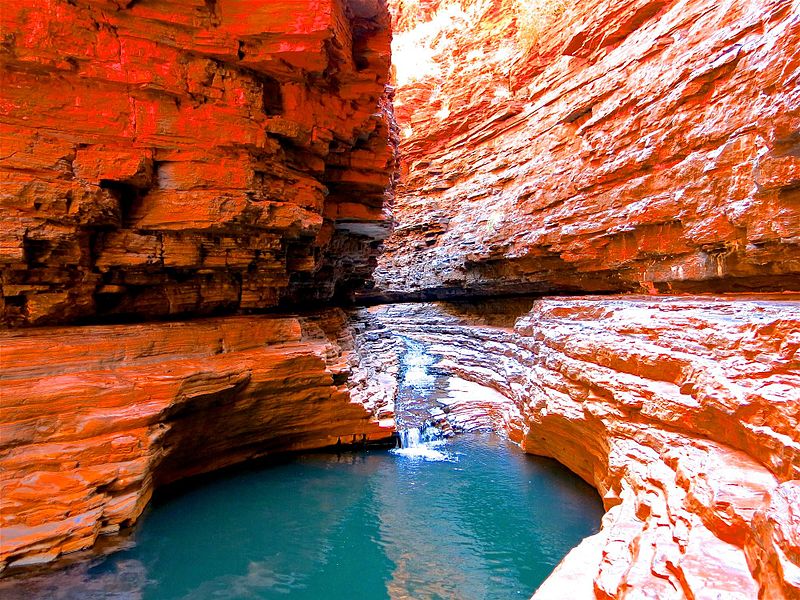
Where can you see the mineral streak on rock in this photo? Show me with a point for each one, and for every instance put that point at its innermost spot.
(187, 156)
(87, 434)
(683, 412)
(635, 145)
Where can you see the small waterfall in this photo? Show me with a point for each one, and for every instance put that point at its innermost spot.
(422, 442)
(417, 414)
(416, 363)
(420, 436)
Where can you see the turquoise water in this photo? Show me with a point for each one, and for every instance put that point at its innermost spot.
(488, 522)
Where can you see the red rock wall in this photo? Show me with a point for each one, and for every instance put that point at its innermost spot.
(164, 157)
(95, 417)
(683, 412)
(634, 145)
(178, 157)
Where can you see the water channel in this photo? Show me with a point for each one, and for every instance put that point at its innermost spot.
(470, 517)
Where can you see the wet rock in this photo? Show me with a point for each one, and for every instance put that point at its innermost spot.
(681, 411)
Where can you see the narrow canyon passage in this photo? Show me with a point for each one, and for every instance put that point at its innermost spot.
(236, 229)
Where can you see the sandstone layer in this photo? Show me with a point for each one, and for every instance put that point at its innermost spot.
(188, 157)
(682, 411)
(191, 156)
(87, 434)
(630, 146)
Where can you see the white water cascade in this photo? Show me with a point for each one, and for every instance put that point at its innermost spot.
(418, 436)
(422, 443)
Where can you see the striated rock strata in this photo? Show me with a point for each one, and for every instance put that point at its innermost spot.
(628, 146)
(187, 157)
(682, 412)
(116, 410)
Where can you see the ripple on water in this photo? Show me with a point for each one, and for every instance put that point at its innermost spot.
(486, 523)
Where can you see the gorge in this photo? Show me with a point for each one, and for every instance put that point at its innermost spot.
(224, 222)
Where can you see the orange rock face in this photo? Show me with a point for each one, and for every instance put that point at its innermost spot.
(116, 410)
(187, 157)
(644, 146)
(683, 412)
(161, 158)
(641, 145)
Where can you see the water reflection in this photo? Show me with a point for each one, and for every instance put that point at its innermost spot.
(491, 525)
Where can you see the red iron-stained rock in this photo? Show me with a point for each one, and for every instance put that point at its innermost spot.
(635, 145)
(163, 158)
(113, 411)
(682, 411)
(188, 157)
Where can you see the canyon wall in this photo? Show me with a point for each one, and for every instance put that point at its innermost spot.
(627, 146)
(167, 157)
(641, 146)
(178, 157)
(119, 409)
(682, 412)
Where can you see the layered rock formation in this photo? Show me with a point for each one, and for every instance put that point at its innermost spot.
(165, 158)
(638, 146)
(683, 412)
(120, 409)
(641, 145)
(188, 157)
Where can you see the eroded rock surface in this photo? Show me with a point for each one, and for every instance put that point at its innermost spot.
(189, 157)
(193, 157)
(116, 410)
(634, 145)
(683, 412)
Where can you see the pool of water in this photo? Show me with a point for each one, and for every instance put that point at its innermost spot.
(483, 521)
